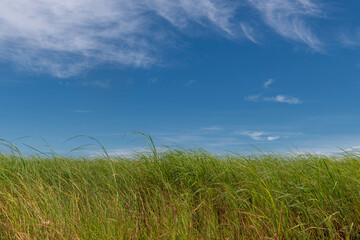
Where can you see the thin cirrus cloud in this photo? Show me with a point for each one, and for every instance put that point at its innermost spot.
(66, 37)
(289, 19)
(258, 135)
(350, 39)
(283, 99)
(278, 98)
(268, 83)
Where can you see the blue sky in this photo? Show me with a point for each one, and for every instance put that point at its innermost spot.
(222, 75)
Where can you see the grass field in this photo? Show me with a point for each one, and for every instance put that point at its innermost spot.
(180, 195)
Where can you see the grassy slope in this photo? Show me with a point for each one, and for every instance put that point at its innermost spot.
(180, 195)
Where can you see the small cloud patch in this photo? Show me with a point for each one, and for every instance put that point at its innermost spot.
(258, 135)
(268, 83)
(273, 138)
(283, 99)
(278, 98)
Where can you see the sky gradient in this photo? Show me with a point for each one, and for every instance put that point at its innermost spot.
(278, 75)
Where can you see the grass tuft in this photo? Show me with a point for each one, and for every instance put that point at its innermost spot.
(179, 194)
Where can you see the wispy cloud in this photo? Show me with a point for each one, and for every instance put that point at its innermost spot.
(181, 13)
(350, 38)
(248, 32)
(283, 99)
(278, 98)
(258, 135)
(272, 138)
(289, 18)
(253, 134)
(66, 37)
(268, 83)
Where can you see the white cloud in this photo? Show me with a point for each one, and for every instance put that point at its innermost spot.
(66, 37)
(248, 32)
(277, 98)
(288, 18)
(272, 138)
(255, 135)
(204, 12)
(258, 135)
(268, 83)
(283, 99)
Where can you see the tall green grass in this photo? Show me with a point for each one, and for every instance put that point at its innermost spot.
(180, 195)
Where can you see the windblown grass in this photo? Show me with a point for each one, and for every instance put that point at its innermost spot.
(180, 195)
